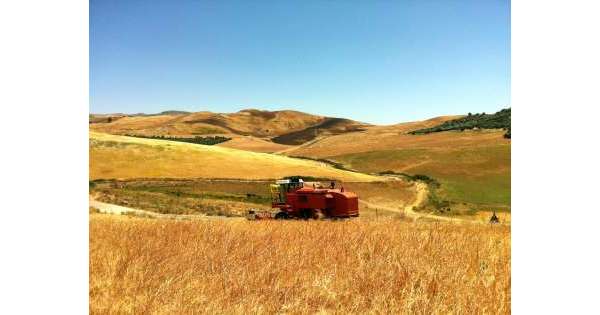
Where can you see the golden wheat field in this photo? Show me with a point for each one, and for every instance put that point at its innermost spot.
(114, 156)
(145, 266)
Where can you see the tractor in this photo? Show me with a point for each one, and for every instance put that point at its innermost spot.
(294, 200)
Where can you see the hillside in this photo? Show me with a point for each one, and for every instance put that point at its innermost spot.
(329, 126)
(113, 156)
(472, 166)
(499, 120)
(253, 144)
(288, 127)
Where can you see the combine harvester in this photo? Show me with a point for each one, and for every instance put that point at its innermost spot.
(294, 201)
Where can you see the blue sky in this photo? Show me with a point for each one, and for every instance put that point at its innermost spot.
(381, 62)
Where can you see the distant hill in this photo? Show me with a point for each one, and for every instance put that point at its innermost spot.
(499, 120)
(104, 118)
(107, 118)
(173, 112)
(283, 127)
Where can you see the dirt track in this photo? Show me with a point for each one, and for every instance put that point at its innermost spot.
(421, 190)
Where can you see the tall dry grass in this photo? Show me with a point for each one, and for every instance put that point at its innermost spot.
(168, 267)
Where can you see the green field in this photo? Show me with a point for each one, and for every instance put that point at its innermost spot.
(478, 175)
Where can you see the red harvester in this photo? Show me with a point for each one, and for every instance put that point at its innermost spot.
(295, 201)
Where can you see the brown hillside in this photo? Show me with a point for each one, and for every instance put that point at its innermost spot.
(329, 126)
(379, 138)
(293, 127)
(254, 144)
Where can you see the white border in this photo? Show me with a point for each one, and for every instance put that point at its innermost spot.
(555, 210)
(43, 124)
(44, 165)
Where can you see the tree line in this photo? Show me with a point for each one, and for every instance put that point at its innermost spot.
(499, 120)
(209, 140)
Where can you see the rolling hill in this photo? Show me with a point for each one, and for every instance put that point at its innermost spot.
(473, 166)
(121, 157)
(288, 127)
(249, 129)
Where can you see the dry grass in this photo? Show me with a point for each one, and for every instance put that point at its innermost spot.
(395, 138)
(246, 122)
(484, 216)
(123, 157)
(170, 267)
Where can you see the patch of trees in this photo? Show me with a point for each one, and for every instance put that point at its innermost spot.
(209, 140)
(499, 120)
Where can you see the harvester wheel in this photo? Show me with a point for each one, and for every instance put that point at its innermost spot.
(281, 216)
(318, 215)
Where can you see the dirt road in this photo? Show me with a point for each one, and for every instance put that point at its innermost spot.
(421, 194)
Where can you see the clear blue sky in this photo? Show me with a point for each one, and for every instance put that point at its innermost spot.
(375, 61)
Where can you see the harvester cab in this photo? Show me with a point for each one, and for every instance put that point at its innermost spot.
(281, 187)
